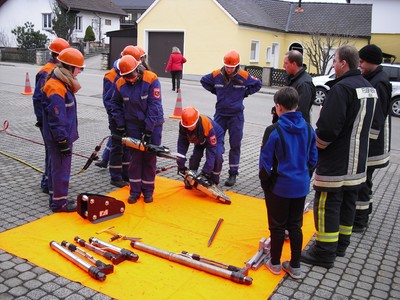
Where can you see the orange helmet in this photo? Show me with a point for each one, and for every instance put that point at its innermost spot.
(127, 64)
(58, 45)
(232, 59)
(131, 50)
(141, 51)
(71, 57)
(190, 116)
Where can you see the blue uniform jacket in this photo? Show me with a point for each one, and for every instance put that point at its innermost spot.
(109, 84)
(207, 133)
(59, 112)
(288, 155)
(138, 105)
(230, 95)
(40, 80)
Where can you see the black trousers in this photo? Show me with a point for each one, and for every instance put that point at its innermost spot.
(333, 219)
(176, 77)
(285, 213)
(364, 202)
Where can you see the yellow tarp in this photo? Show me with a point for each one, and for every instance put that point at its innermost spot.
(178, 220)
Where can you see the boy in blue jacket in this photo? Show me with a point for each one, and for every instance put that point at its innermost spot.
(287, 158)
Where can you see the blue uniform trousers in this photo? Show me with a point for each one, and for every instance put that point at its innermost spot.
(234, 124)
(197, 155)
(142, 166)
(119, 157)
(106, 152)
(44, 182)
(59, 175)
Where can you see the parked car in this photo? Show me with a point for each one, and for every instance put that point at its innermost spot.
(393, 70)
(321, 87)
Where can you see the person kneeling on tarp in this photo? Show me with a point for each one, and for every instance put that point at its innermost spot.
(205, 134)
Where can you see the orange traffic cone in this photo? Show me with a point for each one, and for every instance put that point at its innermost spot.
(178, 106)
(28, 89)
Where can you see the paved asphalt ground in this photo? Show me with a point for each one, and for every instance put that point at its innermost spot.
(370, 269)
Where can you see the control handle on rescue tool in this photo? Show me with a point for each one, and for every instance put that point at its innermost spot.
(137, 144)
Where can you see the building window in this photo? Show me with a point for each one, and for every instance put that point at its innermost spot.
(268, 55)
(255, 51)
(46, 21)
(78, 23)
(107, 22)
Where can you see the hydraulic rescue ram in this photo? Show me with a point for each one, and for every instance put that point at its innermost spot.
(91, 270)
(137, 144)
(125, 254)
(184, 259)
(105, 268)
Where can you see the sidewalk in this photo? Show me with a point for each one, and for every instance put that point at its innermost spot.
(370, 269)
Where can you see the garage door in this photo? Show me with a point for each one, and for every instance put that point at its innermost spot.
(160, 46)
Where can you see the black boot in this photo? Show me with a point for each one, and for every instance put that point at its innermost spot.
(102, 164)
(231, 180)
(310, 257)
(63, 206)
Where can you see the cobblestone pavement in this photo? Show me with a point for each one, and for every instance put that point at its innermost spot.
(370, 269)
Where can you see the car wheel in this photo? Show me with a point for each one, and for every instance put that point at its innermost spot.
(320, 95)
(395, 107)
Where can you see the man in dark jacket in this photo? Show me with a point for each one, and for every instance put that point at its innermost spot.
(301, 81)
(379, 139)
(342, 139)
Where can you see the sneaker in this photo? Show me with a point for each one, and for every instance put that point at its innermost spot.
(101, 164)
(293, 272)
(133, 199)
(66, 207)
(148, 199)
(119, 183)
(275, 269)
(231, 180)
(309, 258)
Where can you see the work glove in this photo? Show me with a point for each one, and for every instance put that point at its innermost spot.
(146, 137)
(64, 148)
(121, 131)
(39, 124)
(182, 170)
(205, 178)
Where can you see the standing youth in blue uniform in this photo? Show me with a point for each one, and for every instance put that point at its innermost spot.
(56, 46)
(119, 156)
(287, 159)
(231, 85)
(138, 113)
(60, 125)
(206, 135)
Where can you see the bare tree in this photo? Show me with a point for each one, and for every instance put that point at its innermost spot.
(320, 49)
(63, 21)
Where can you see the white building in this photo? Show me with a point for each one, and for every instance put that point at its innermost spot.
(102, 15)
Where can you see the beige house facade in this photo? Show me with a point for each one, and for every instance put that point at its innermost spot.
(212, 27)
